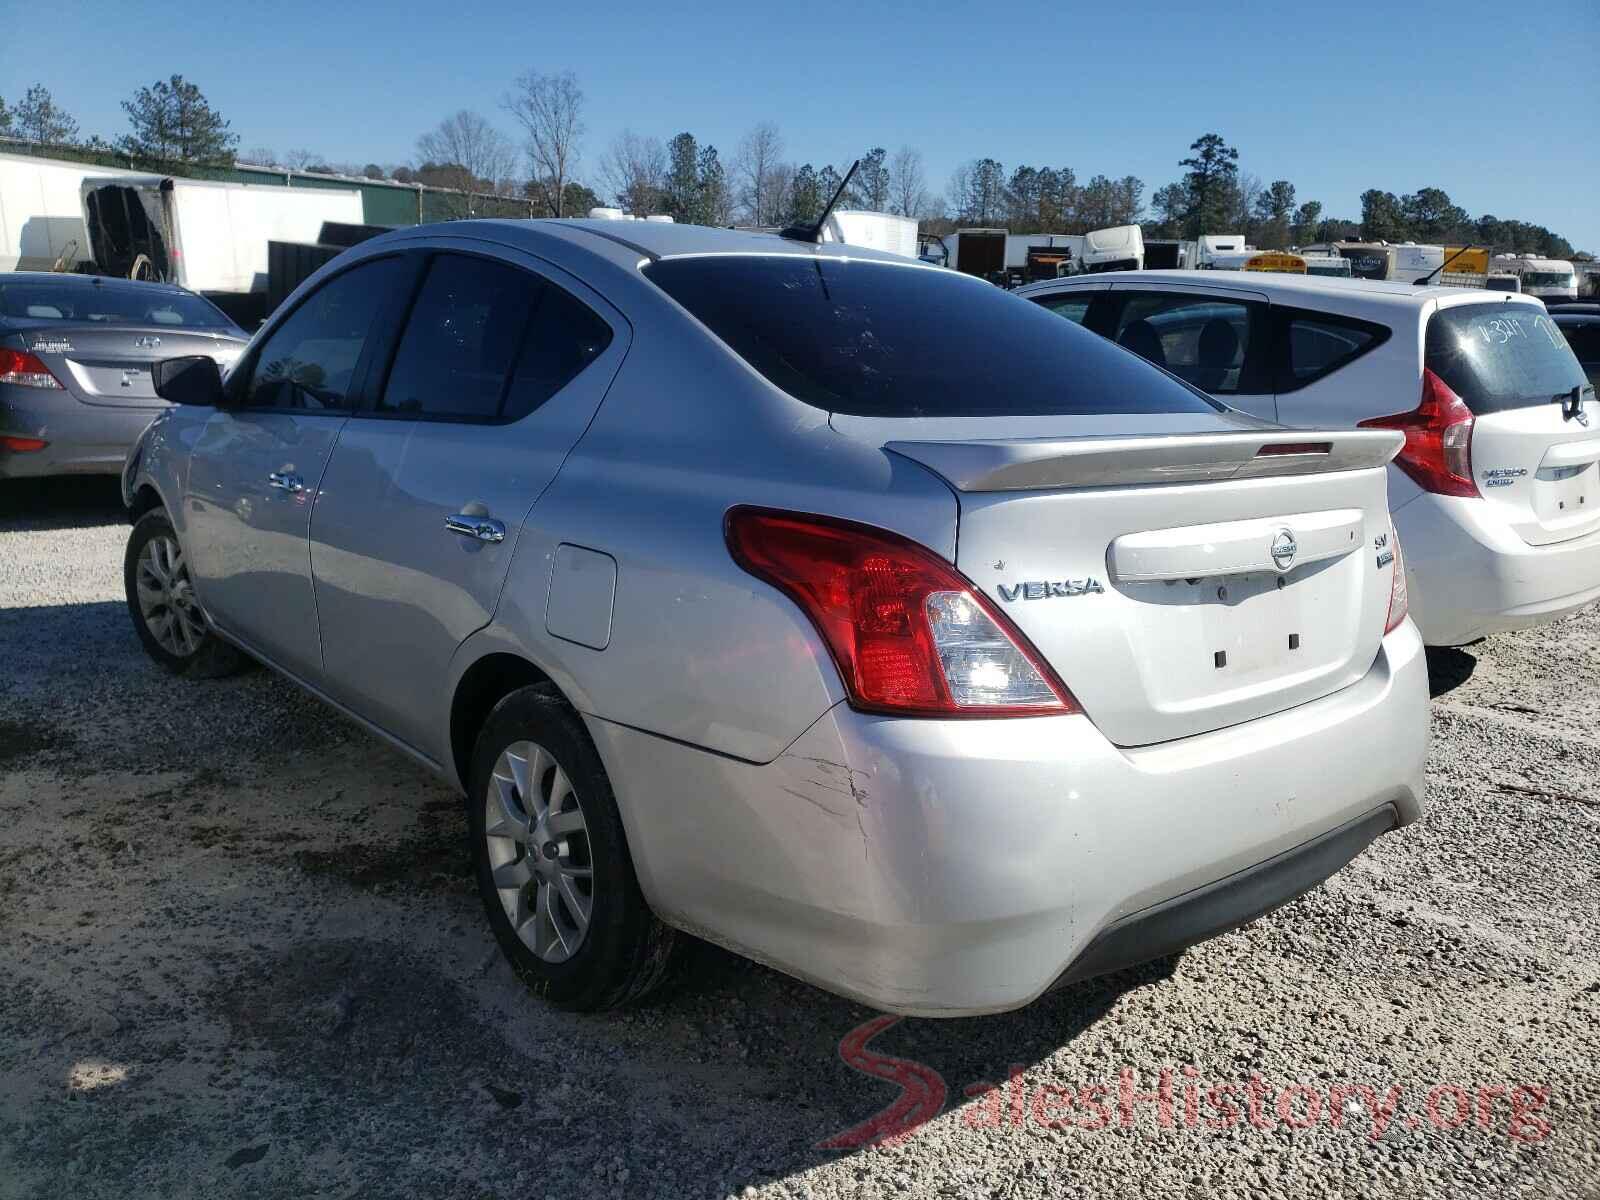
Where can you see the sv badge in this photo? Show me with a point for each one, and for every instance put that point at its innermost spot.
(1048, 589)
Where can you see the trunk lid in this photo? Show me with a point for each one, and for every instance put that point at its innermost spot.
(1535, 441)
(109, 365)
(1180, 582)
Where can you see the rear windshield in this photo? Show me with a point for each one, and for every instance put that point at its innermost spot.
(878, 340)
(111, 305)
(1501, 356)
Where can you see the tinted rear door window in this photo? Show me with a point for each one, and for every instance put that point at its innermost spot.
(1202, 340)
(488, 341)
(1501, 356)
(874, 339)
(463, 332)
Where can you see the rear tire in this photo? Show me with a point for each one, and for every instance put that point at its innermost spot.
(552, 860)
(168, 618)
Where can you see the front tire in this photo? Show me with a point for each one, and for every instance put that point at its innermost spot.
(552, 861)
(171, 625)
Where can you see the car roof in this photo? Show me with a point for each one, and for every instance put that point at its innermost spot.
(91, 281)
(662, 239)
(1311, 289)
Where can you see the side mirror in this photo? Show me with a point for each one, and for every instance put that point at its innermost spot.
(193, 379)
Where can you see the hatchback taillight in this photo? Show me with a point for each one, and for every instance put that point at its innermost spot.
(25, 370)
(1438, 449)
(909, 633)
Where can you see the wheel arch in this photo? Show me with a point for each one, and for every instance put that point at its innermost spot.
(145, 499)
(482, 685)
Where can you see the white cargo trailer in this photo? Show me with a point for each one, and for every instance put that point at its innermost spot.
(209, 237)
(874, 230)
(41, 214)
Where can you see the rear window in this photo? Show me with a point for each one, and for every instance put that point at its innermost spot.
(879, 340)
(1501, 356)
(108, 305)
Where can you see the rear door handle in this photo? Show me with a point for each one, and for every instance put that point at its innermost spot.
(287, 481)
(484, 529)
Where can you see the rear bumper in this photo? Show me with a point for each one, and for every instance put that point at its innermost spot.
(947, 868)
(82, 439)
(1470, 577)
(1205, 912)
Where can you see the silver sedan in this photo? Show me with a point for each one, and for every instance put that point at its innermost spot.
(837, 608)
(76, 353)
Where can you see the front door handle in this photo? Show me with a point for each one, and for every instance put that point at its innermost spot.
(485, 529)
(286, 481)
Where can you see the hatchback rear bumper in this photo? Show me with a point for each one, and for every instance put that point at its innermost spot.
(948, 868)
(1470, 576)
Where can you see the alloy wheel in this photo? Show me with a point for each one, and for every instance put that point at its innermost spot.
(538, 845)
(166, 598)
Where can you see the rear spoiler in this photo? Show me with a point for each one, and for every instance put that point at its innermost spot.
(1027, 464)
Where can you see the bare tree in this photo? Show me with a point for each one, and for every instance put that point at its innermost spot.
(468, 141)
(301, 159)
(635, 171)
(550, 110)
(753, 170)
(908, 190)
(261, 156)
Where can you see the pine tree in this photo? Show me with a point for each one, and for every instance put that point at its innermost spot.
(683, 200)
(39, 121)
(172, 122)
(1212, 178)
(716, 201)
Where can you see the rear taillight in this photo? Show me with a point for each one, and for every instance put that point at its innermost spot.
(25, 370)
(909, 634)
(1399, 601)
(1438, 449)
(22, 445)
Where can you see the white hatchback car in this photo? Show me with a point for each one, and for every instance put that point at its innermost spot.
(1496, 496)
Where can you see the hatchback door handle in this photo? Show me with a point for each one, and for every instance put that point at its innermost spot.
(287, 481)
(485, 529)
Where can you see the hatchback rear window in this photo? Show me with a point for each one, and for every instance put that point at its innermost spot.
(108, 305)
(878, 340)
(1501, 356)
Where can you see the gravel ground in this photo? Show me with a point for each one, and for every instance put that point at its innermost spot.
(240, 954)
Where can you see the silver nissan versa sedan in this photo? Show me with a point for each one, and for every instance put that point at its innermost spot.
(842, 610)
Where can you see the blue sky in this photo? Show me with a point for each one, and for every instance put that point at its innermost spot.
(1497, 104)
